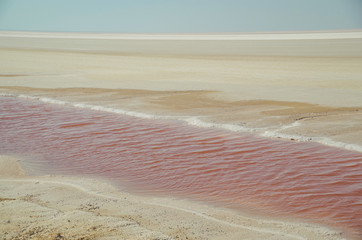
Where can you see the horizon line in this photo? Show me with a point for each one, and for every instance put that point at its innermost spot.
(219, 32)
(276, 35)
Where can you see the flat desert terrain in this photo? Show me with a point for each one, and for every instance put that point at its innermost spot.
(296, 86)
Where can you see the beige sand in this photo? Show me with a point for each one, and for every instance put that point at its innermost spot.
(56, 207)
(304, 87)
(311, 88)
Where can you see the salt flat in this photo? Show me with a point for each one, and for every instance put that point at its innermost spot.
(296, 86)
(320, 70)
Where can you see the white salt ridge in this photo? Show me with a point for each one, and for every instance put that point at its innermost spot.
(348, 146)
(113, 110)
(321, 140)
(7, 95)
(195, 121)
(231, 127)
(91, 107)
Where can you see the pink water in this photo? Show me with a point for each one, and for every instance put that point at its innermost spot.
(304, 180)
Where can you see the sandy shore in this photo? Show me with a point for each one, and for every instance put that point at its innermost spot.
(58, 207)
(307, 88)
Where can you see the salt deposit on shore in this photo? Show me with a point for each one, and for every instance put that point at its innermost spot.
(51, 207)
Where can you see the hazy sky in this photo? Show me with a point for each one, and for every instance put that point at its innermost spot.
(180, 15)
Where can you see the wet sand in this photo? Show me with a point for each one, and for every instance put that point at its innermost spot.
(308, 90)
(56, 207)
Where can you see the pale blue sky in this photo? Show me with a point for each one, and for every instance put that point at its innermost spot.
(180, 15)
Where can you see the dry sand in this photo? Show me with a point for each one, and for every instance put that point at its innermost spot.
(302, 87)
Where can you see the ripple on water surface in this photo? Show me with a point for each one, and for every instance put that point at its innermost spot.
(305, 180)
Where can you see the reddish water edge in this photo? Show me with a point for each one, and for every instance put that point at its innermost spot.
(304, 180)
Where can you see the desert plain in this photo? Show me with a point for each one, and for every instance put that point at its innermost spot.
(291, 86)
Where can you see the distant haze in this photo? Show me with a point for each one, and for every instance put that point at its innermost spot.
(169, 16)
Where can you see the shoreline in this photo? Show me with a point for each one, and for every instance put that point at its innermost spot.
(303, 89)
(270, 132)
(92, 208)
